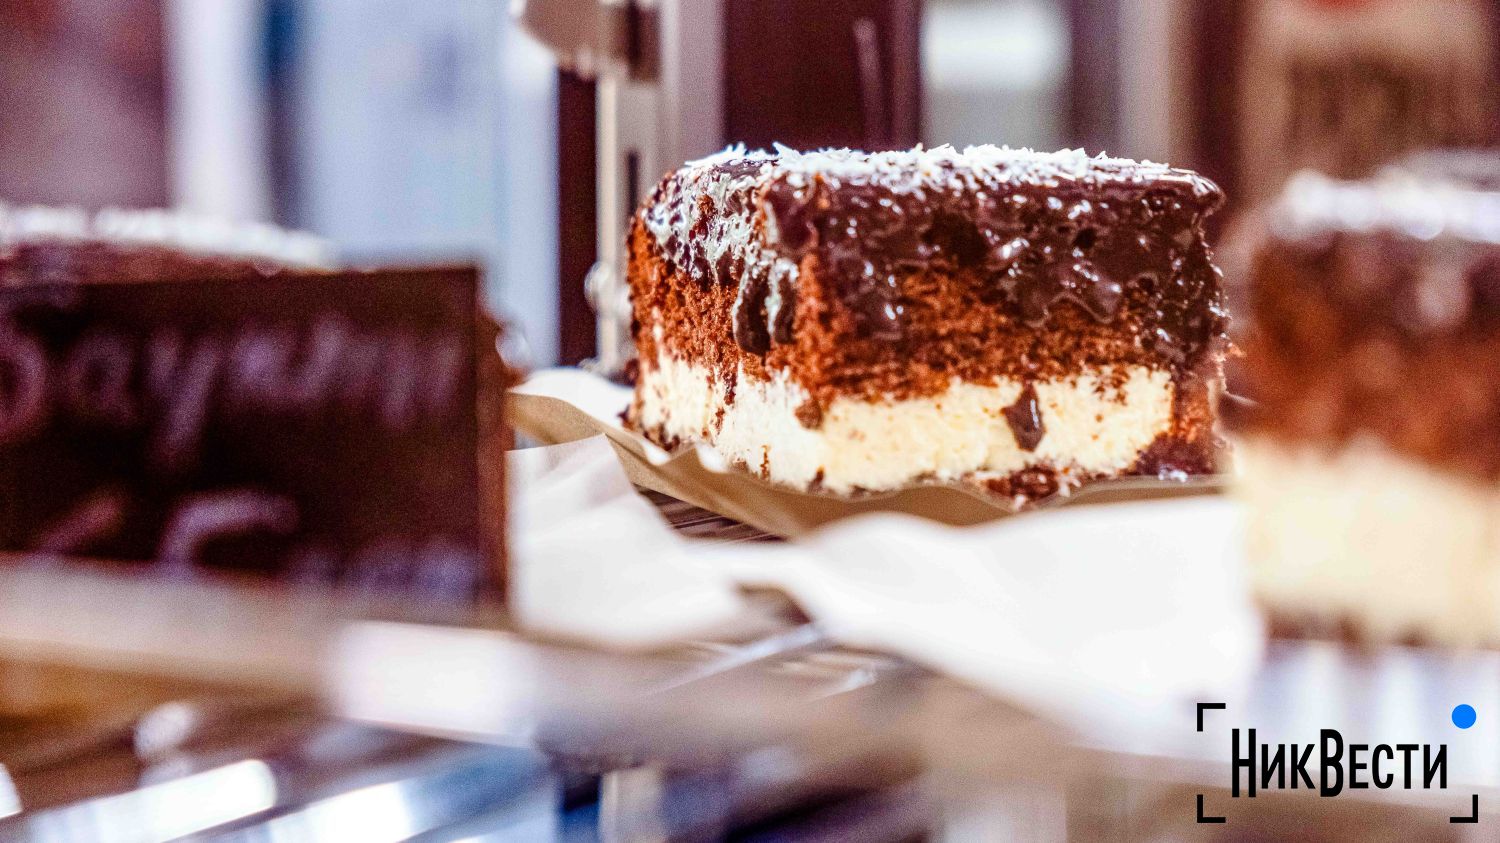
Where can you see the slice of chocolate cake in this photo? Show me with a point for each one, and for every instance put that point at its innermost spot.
(1018, 321)
(1371, 461)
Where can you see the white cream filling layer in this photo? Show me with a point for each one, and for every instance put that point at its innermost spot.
(1370, 536)
(1091, 426)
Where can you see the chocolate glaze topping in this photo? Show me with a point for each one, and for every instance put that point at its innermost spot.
(1419, 255)
(1046, 228)
(1025, 419)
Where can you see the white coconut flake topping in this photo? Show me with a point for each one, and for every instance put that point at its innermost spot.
(914, 166)
(178, 230)
(1417, 206)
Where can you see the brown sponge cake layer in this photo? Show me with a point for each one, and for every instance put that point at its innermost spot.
(689, 321)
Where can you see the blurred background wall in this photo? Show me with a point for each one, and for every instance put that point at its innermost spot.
(411, 130)
(83, 102)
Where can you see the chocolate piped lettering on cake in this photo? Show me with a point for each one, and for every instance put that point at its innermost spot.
(1025, 419)
(245, 423)
(1046, 229)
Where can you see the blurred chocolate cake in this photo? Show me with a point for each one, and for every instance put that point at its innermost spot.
(1371, 458)
(41, 246)
(1018, 322)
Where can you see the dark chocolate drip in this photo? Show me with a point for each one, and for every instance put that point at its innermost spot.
(1042, 245)
(1093, 242)
(789, 209)
(1025, 419)
(1169, 458)
(750, 329)
(781, 325)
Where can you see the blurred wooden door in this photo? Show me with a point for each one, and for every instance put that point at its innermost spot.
(814, 73)
(1339, 86)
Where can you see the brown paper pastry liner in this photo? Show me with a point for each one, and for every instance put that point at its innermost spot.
(697, 476)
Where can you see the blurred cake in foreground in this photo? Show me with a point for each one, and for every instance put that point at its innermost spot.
(1017, 321)
(42, 246)
(1371, 464)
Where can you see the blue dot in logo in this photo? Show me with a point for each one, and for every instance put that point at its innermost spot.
(1464, 716)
